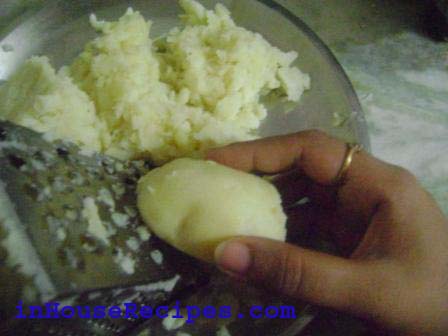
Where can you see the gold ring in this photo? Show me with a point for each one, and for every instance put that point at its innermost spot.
(349, 153)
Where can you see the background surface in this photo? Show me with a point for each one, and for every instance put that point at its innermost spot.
(396, 56)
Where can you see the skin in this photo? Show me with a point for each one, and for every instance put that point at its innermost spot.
(392, 236)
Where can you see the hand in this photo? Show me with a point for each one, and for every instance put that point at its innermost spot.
(394, 236)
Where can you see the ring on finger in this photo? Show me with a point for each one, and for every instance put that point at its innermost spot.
(351, 149)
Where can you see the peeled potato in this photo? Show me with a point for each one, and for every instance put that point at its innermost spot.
(195, 204)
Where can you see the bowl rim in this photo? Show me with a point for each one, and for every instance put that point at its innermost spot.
(357, 119)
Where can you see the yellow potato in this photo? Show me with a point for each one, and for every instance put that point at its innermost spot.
(195, 204)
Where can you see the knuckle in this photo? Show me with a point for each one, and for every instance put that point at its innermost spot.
(289, 274)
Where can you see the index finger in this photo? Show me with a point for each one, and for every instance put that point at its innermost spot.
(318, 155)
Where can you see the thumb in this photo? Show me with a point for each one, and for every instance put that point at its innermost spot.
(296, 272)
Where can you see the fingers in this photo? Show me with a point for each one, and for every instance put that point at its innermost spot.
(299, 273)
(318, 155)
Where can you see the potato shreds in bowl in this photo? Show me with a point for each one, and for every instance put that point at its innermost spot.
(131, 97)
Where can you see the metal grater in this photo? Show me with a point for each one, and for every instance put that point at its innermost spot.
(46, 185)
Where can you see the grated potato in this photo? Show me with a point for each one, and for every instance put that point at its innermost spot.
(131, 97)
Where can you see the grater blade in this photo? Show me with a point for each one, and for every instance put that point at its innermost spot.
(47, 184)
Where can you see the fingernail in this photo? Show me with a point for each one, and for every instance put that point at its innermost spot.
(233, 257)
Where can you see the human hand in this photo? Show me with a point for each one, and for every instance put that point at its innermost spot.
(394, 235)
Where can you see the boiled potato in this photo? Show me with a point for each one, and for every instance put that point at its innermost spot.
(195, 204)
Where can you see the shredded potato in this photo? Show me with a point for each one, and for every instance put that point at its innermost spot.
(131, 97)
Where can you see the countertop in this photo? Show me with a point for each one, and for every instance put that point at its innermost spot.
(400, 75)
